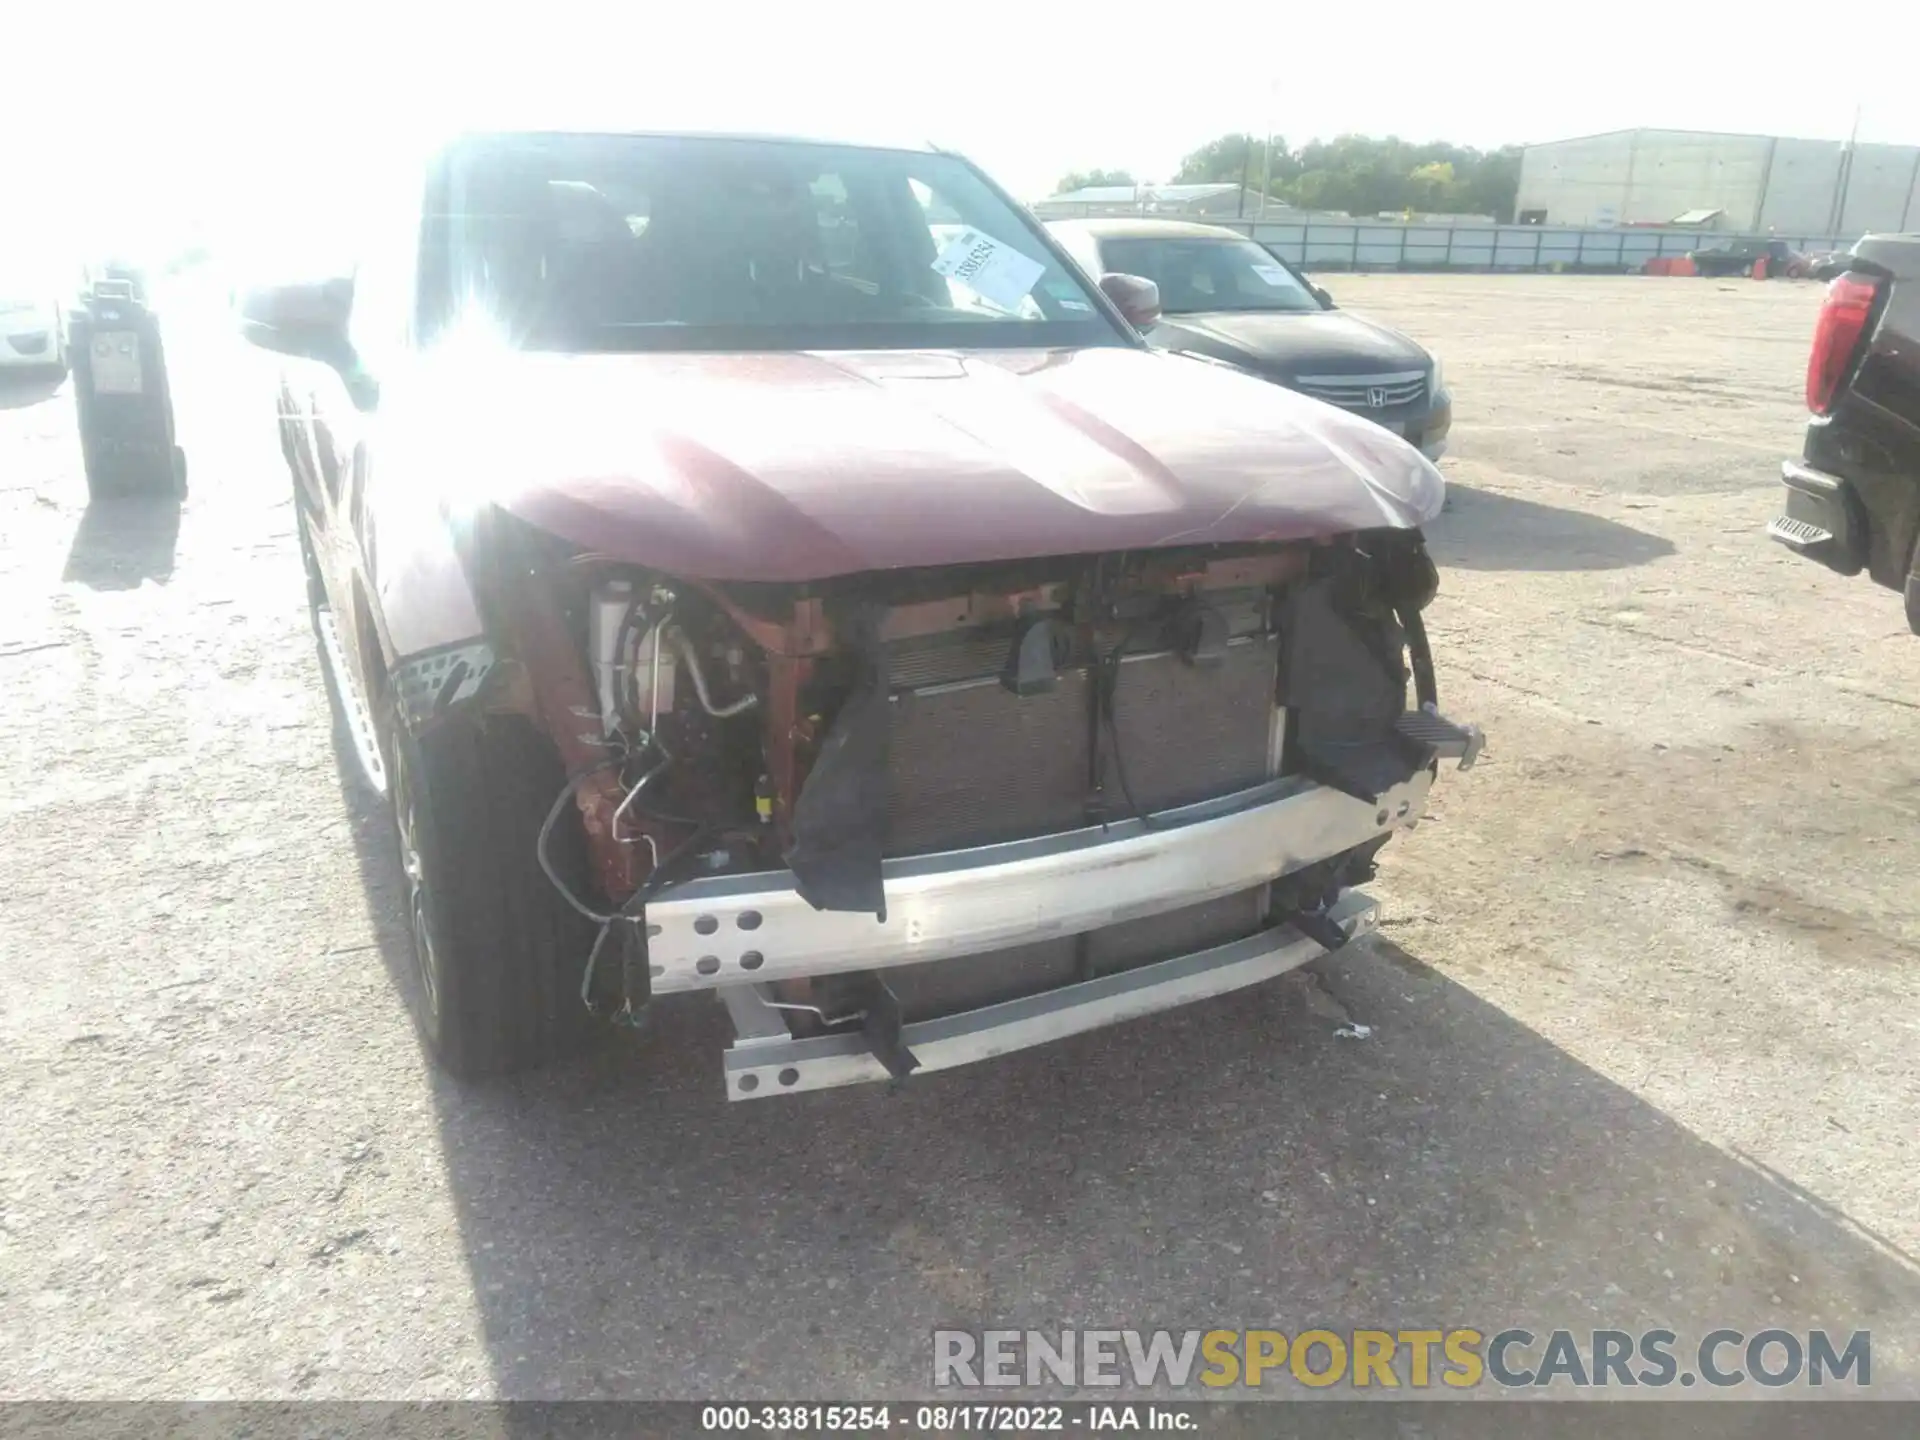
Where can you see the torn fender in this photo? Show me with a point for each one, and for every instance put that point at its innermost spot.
(412, 531)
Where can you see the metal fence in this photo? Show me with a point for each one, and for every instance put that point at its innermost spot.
(1374, 245)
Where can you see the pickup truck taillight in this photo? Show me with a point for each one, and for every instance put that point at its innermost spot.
(1843, 320)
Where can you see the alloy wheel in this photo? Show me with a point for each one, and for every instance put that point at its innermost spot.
(406, 818)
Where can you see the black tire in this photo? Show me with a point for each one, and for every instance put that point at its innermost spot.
(498, 954)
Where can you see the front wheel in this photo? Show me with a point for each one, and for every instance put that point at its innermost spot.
(498, 955)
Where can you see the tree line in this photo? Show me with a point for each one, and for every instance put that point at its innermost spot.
(1355, 173)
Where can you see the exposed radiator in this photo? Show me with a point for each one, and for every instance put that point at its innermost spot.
(974, 763)
(925, 991)
(1188, 733)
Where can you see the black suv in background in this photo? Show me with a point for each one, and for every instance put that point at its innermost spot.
(1229, 298)
(1853, 499)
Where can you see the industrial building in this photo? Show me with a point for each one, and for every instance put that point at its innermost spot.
(1748, 184)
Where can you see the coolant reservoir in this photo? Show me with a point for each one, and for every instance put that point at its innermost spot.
(637, 687)
(611, 603)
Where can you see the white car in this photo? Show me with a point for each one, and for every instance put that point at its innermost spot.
(33, 332)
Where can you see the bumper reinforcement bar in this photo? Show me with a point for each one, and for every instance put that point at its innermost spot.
(766, 1060)
(728, 930)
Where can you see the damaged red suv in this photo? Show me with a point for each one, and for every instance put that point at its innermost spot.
(773, 568)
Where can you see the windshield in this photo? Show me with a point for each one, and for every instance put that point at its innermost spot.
(1205, 274)
(615, 242)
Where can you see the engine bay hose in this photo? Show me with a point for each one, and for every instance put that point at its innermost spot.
(691, 659)
(567, 793)
(1419, 658)
(633, 973)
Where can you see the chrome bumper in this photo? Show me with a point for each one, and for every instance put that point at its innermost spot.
(765, 1060)
(746, 929)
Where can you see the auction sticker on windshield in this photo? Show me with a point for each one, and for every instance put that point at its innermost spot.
(996, 272)
(1273, 274)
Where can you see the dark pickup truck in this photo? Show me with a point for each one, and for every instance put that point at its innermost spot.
(1853, 499)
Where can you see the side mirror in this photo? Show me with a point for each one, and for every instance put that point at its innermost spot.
(1137, 298)
(1322, 296)
(308, 319)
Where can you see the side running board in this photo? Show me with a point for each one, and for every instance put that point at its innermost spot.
(1446, 739)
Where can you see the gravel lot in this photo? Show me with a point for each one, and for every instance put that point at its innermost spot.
(1644, 1015)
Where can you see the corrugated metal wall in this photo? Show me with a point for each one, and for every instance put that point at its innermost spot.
(1882, 189)
(1383, 245)
(1802, 185)
(1763, 184)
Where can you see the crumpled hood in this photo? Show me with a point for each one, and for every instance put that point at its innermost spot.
(1285, 343)
(792, 467)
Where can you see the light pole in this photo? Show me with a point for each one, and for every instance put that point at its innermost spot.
(1846, 177)
(1266, 173)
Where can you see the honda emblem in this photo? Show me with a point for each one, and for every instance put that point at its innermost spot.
(1376, 396)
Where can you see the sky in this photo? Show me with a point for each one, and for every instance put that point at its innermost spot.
(162, 120)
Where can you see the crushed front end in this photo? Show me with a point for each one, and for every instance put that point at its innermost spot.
(906, 820)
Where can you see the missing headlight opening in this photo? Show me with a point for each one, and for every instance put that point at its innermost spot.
(725, 701)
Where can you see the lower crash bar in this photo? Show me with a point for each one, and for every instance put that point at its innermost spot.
(765, 1059)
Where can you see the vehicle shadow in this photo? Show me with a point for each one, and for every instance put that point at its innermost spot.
(631, 1234)
(123, 542)
(1487, 530)
(19, 392)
